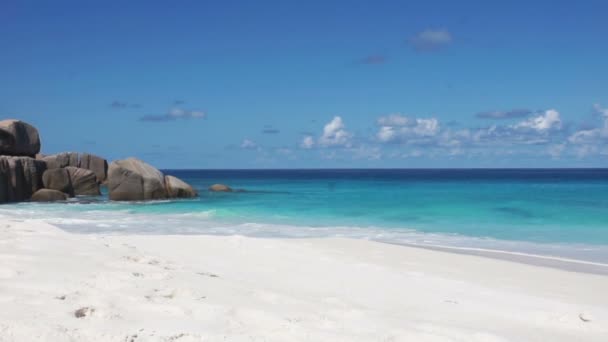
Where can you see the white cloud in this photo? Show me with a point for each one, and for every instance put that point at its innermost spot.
(602, 111)
(584, 136)
(431, 40)
(248, 144)
(539, 130)
(397, 127)
(542, 123)
(590, 136)
(450, 138)
(543, 133)
(307, 142)
(179, 113)
(175, 114)
(334, 134)
(386, 133)
(426, 127)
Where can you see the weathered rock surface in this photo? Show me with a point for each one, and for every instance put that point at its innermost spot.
(23, 170)
(58, 179)
(84, 182)
(81, 160)
(61, 160)
(220, 188)
(96, 164)
(20, 177)
(133, 180)
(18, 138)
(48, 195)
(176, 188)
(27, 174)
(32, 174)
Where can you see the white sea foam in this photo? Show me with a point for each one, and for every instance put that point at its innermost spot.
(129, 221)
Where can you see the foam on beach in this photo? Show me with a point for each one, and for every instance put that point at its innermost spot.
(118, 218)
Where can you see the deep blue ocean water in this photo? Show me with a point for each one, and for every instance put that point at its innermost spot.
(557, 212)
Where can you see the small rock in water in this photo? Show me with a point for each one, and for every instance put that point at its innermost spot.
(584, 317)
(220, 188)
(83, 312)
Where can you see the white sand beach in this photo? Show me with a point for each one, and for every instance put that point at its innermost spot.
(232, 288)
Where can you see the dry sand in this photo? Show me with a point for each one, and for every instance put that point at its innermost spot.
(57, 286)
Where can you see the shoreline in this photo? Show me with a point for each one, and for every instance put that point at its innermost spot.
(542, 260)
(565, 264)
(236, 288)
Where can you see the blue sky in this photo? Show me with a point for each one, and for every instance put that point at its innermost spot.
(284, 84)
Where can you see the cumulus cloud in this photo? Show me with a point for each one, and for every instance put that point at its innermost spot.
(549, 120)
(400, 128)
(428, 132)
(174, 114)
(430, 40)
(335, 134)
(403, 136)
(542, 129)
(515, 113)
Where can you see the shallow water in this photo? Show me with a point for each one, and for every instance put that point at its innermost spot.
(550, 212)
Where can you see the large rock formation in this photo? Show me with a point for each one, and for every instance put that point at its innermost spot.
(84, 182)
(176, 188)
(26, 174)
(133, 180)
(18, 138)
(58, 179)
(20, 177)
(48, 195)
(81, 160)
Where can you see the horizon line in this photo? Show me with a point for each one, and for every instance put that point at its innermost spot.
(396, 168)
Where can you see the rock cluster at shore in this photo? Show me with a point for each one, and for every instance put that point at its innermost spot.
(133, 180)
(27, 175)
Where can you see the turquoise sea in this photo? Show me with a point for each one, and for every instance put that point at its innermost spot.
(560, 213)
